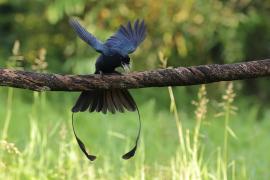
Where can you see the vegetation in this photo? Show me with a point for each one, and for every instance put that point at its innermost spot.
(216, 131)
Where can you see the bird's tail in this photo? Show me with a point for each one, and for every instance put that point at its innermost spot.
(104, 101)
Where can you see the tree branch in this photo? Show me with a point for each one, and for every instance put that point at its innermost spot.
(181, 76)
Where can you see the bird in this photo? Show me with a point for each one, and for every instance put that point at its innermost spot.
(114, 53)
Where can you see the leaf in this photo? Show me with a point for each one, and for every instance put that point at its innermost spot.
(232, 133)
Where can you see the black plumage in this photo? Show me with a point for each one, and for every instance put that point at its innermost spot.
(113, 53)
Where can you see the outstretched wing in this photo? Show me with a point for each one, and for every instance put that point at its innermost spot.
(86, 36)
(127, 39)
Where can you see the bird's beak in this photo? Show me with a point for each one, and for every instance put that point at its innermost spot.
(126, 67)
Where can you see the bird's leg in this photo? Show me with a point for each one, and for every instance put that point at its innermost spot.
(101, 73)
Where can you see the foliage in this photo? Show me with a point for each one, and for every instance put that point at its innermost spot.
(187, 32)
(40, 143)
(37, 140)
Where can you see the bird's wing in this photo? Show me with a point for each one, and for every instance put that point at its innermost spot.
(127, 39)
(86, 36)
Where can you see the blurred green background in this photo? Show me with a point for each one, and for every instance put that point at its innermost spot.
(187, 33)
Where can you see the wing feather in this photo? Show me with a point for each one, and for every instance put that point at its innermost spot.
(86, 36)
(127, 38)
(136, 27)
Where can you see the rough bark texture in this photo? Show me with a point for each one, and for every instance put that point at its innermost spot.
(181, 76)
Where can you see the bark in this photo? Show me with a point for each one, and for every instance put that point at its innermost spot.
(181, 76)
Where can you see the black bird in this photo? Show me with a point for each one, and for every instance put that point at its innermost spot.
(113, 53)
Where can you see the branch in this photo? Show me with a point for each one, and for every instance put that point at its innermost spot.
(181, 76)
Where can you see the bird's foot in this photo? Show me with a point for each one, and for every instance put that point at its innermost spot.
(101, 74)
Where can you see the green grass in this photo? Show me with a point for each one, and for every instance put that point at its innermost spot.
(40, 143)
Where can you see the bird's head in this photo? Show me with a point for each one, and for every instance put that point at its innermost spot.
(125, 63)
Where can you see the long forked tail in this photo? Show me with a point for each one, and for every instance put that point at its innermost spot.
(104, 101)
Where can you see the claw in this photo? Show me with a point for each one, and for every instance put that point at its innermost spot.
(126, 67)
(101, 73)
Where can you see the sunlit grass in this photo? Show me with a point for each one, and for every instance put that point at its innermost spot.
(46, 148)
